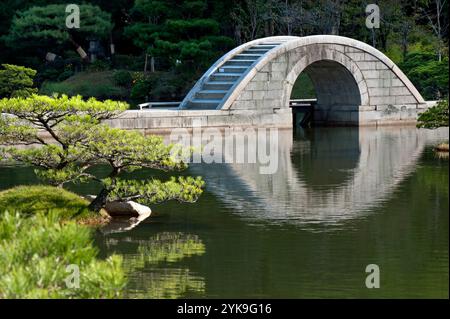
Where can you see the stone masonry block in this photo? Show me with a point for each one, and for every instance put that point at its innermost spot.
(258, 95)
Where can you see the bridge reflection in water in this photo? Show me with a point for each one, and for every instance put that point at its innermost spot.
(325, 176)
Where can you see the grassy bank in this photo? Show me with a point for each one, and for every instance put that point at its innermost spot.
(100, 85)
(39, 199)
(41, 235)
(36, 252)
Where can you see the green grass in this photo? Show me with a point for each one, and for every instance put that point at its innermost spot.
(41, 233)
(39, 199)
(100, 85)
(35, 252)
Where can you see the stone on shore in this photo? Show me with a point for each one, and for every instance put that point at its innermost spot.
(130, 208)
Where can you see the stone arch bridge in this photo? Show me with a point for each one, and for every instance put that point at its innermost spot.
(251, 85)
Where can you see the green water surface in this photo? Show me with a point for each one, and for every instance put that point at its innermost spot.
(342, 198)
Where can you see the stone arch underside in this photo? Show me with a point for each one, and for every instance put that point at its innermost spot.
(355, 83)
(335, 89)
(337, 79)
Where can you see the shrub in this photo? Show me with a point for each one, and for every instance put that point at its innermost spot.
(49, 73)
(39, 199)
(36, 251)
(64, 75)
(129, 62)
(140, 90)
(16, 81)
(163, 86)
(123, 78)
(98, 66)
(434, 117)
(50, 70)
(58, 70)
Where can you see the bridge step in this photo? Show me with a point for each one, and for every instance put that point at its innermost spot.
(233, 69)
(256, 51)
(217, 85)
(245, 56)
(210, 94)
(211, 90)
(239, 62)
(225, 76)
(204, 104)
(265, 46)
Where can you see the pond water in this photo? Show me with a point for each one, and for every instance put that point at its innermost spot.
(341, 199)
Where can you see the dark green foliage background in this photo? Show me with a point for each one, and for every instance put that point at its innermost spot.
(182, 38)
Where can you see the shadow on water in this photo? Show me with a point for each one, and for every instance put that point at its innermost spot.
(327, 157)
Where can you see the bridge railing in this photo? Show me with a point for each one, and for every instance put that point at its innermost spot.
(221, 61)
(302, 102)
(302, 111)
(150, 105)
(294, 103)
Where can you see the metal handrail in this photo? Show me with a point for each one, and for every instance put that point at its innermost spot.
(158, 104)
(302, 102)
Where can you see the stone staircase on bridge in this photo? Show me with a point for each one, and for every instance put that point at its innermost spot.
(221, 81)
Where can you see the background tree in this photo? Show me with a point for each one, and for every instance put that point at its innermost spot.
(180, 39)
(177, 40)
(434, 12)
(248, 18)
(45, 27)
(324, 16)
(178, 32)
(79, 141)
(291, 16)
(428, 74)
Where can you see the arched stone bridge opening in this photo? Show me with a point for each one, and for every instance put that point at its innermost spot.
(354, 82)
(338, 94)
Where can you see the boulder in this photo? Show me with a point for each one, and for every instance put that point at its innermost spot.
(130, 208)
(125, 216)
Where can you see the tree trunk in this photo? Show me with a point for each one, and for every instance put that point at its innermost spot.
(439, 33)
(79, 49)
(152, 64)
(112, 49)
(374, 39)
(237, 34)
(404, 50)
(336, 18)
(100, 201)
(405, 34)
(383, 39)
(146, 63)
